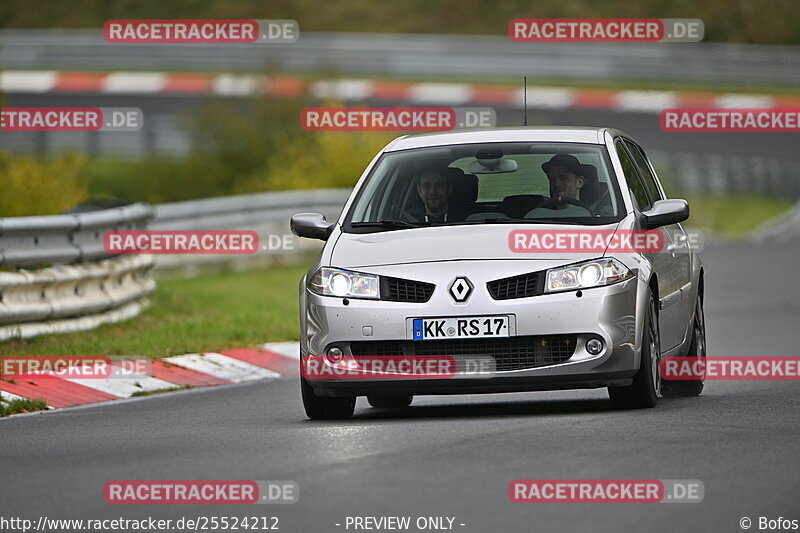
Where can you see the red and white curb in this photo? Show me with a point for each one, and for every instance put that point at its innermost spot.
(355, 90)
(269, 361)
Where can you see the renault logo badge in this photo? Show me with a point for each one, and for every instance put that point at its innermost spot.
(460, 289)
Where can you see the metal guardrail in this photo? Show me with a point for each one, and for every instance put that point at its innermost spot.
(266, 213)
(73, 297)
(726, 174)
(247, 210)
(82, 287)
(47, 240)
(417, 55)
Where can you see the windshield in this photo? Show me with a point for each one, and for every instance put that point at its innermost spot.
(530, 183)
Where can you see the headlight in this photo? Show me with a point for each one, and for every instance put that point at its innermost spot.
(586, 275)
(344, 284)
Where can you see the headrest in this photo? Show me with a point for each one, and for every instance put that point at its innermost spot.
(465, 187)
(591, 187)
(517, 205)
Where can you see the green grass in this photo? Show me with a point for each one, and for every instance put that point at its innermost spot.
(733, 216)
(215, 312)
(159, 391)
(14, 407)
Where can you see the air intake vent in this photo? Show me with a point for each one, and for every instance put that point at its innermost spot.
(517, 287)
(404, 290)
(513, 353)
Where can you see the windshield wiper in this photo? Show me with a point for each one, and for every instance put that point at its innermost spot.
(385, 223)
(507, 220)
(554, 221)
(492, 220)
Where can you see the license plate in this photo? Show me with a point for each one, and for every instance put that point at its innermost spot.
(461, 327)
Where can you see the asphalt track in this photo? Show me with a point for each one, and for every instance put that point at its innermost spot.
(452, 456)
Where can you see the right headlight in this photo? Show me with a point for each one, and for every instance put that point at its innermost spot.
(594, 273)
(344, 284)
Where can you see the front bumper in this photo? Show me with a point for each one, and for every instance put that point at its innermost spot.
(609, 313)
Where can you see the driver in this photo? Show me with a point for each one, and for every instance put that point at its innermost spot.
(566, 179)
(434, 186)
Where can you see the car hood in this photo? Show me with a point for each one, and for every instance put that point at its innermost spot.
(446, 243)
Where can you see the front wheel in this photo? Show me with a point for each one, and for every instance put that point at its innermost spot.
(647, 382)
(325, 408)
(697, 348)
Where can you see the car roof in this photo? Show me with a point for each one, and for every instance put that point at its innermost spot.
(575, 134)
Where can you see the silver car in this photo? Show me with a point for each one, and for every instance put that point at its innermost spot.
(442, 252)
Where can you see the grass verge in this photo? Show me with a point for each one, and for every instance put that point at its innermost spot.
(14, 407)
(733, 216)
(158, 391)
(214, 312)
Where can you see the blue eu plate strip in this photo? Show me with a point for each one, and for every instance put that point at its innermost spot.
(417, 329)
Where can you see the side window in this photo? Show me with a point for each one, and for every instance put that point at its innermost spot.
(632, 177)
(644, 171)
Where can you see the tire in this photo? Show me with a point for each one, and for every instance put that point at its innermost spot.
(643, 393)
(323, 407)
(390, 402)
(697, 348)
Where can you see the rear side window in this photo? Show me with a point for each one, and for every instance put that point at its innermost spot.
(632, 177)
(644, 171)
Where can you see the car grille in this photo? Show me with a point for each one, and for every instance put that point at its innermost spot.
(517, 287)
(512, 353)
(405, 290)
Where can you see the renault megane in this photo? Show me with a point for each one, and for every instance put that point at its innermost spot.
(469, 247)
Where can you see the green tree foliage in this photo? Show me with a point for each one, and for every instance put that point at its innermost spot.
(764, 21)
(32, 186)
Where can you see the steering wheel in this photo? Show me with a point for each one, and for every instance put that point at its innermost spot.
(553, 202)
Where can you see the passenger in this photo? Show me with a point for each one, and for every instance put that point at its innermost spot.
(565, 176)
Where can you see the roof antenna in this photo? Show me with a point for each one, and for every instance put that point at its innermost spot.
(525, 99)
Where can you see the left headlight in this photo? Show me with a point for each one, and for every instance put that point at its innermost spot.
(595, 273)
(344, 284)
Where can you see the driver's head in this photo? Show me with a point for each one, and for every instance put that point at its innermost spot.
(565, 176)
(434, 188)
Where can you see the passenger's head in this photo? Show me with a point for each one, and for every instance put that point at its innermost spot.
(434, 187)
(565, 175)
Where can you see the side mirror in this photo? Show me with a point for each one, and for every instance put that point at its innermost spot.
(311, 226)
(665, 212)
